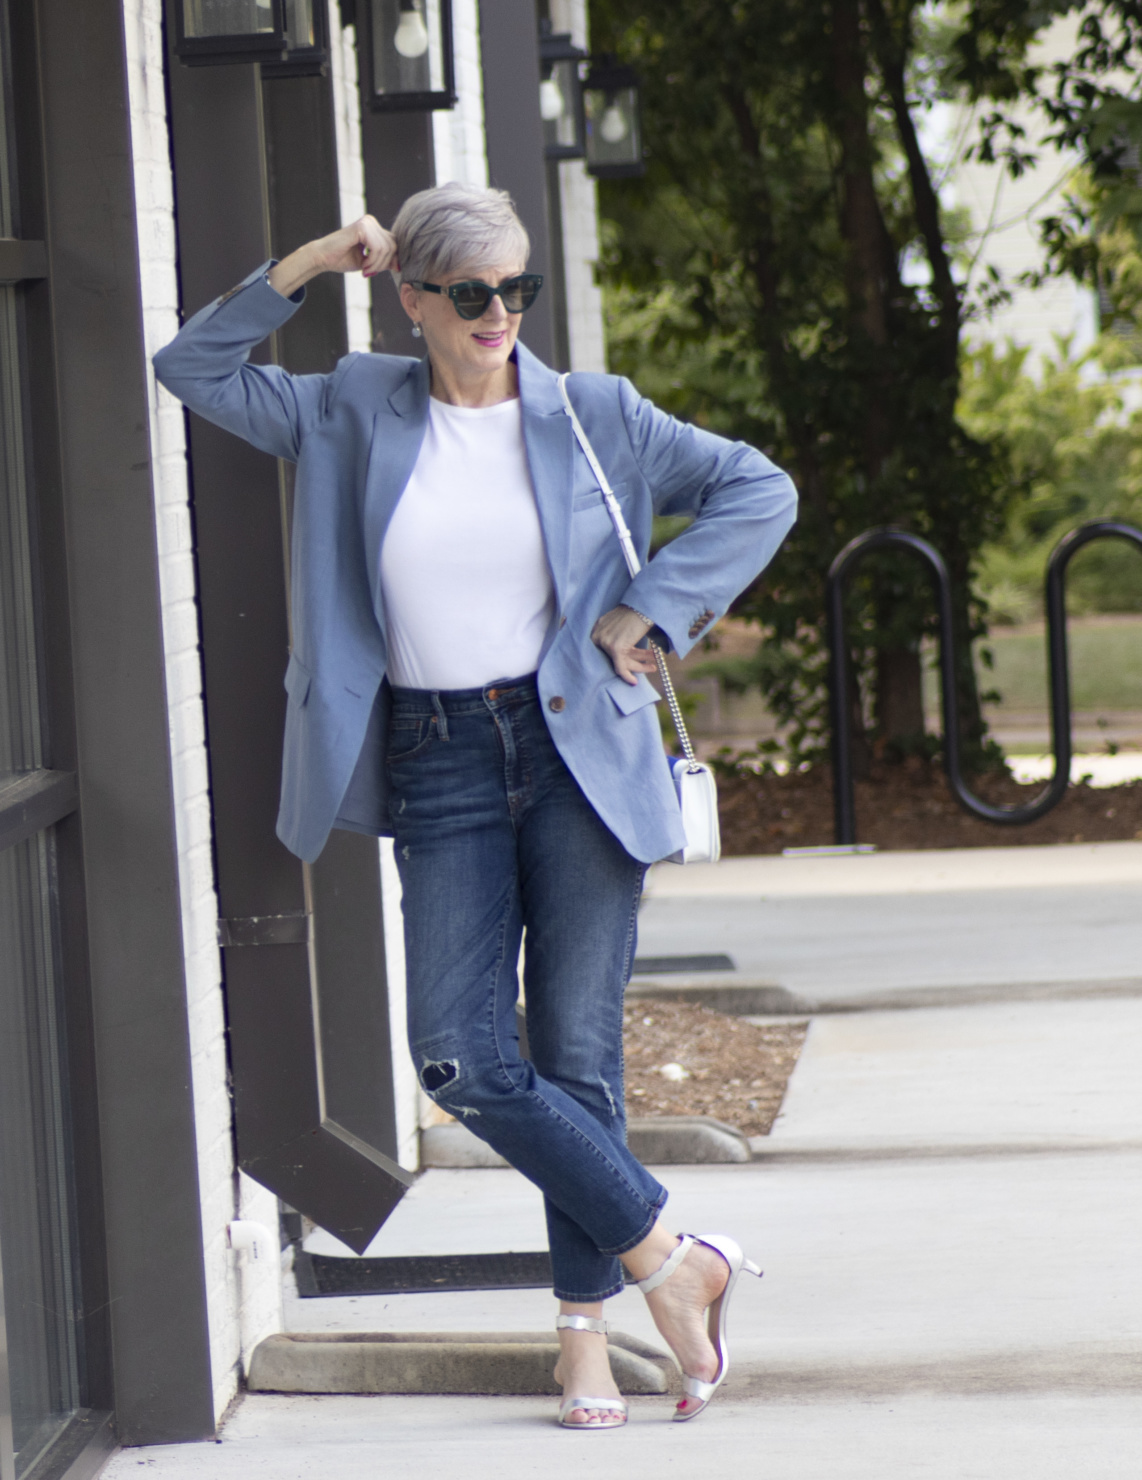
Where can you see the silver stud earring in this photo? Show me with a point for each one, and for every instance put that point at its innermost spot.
(416, 331)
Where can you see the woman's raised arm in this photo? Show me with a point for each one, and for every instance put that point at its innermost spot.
(365, 246)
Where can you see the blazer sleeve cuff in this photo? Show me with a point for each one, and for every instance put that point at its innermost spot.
(672, 632)
(264, 307)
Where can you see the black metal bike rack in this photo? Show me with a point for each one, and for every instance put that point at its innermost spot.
(1059, 674)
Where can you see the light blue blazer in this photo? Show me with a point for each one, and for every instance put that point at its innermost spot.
(355, 435)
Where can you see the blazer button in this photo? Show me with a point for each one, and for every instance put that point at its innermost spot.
(562, 623)
(558, 704)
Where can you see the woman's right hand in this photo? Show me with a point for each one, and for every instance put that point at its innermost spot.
(364, 246)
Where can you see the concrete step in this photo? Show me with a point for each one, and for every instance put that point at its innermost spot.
(441, 1362)
(665, 1140)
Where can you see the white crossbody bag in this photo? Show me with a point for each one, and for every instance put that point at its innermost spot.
(694, 782)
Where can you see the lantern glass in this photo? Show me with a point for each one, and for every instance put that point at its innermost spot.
(209, 18)
(411, 54)
(561, 109)
(300, 25)
(614, 134)
(219, 32)
(306, 41)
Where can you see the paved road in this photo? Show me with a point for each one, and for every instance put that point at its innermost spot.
(843, 927)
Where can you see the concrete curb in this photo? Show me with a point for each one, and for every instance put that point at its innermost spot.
(517, 1363)
(667, 1140)
(745, 998)
(735, 996)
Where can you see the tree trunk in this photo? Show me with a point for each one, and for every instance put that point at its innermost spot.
(899, 699)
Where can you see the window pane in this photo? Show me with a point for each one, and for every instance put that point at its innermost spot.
(35, 1226)
(21, 747)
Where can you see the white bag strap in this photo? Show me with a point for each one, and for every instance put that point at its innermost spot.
(614, 509)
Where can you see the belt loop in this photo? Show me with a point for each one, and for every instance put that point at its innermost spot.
(441, 717)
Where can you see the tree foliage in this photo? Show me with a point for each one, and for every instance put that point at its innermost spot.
(1073, 451)
(785, 273)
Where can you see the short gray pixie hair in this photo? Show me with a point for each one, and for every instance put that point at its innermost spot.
(451, 227)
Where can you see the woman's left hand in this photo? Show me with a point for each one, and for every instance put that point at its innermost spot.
(617, 632)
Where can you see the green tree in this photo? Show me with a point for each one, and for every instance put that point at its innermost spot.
(785, 274)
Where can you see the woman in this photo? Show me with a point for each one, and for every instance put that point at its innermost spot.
(468, 674)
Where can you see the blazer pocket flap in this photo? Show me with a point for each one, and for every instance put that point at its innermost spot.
(297, 680)
(631, 697)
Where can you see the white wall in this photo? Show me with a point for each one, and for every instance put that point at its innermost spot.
(236, 1300)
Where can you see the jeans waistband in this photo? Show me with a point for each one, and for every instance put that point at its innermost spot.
(501, 694)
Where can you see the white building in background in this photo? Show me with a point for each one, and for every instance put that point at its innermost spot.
(1005, 215)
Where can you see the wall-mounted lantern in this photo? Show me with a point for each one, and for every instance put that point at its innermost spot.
(289, 37)
(614, 122)
(561, 94)
(409, 49)
(208, 32)
(307, 41)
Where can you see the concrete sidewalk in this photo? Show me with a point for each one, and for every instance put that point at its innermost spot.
(948, 1213)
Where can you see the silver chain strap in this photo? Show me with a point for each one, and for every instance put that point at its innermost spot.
(675, 707)
(614, 508)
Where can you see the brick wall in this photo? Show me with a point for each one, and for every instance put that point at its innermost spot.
(459, 146)
(239, 1300)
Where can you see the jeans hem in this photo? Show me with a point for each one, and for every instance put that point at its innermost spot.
(573, 1299)
(655, 1209)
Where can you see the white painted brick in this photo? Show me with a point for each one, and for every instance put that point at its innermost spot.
(406, 1089)
(350, 168)
(177, 580)
(458, 133)
(187, 727)
(184, 674)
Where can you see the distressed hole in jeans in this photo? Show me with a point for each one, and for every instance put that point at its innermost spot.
(434, 1076)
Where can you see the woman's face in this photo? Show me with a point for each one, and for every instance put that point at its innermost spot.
(469, 348)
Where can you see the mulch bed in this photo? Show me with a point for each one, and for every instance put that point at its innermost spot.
(910, 806)
(737, 1071)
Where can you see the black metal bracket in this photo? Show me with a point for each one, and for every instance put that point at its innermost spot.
(850, 557)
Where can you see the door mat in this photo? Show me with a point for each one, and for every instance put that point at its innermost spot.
(680, 965)
(326, 1274)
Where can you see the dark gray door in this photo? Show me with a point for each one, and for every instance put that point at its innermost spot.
(39, 1376)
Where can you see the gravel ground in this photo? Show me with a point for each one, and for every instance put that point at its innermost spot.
(734, 1070)
(910, 806)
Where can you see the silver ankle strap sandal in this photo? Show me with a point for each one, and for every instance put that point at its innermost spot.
(697, 1392)
(613, 1406)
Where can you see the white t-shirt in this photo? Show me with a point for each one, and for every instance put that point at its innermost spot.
(464, 575)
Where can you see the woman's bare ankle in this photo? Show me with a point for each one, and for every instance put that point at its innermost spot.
(647, 1257)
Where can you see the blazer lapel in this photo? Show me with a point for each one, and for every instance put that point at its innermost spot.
(547, 439)
(398, 431)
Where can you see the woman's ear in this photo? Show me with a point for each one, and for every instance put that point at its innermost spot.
(409, 298)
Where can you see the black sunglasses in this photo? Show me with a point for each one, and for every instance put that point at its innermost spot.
(470, 299)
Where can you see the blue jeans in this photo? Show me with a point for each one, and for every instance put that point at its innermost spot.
(493, 835)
